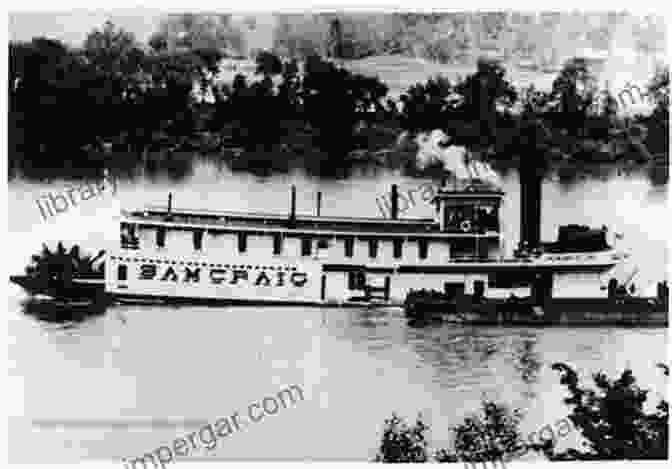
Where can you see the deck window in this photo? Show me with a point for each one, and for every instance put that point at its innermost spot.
(349, 247)
(161, 236)
(129, 239)
(373, 248)
(423, 248)
(277, 244)
(122, 272)
(397, 247)
(242, 242)
(198, 240)
(306, 244)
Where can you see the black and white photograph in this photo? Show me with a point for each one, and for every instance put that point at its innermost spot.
(346, 234)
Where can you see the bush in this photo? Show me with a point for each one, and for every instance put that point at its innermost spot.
(488, 437)
(612, 419)
(402, 443)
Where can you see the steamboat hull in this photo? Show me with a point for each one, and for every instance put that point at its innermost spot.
(77, 290)
(632, 311)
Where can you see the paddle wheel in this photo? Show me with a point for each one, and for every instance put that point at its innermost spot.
(63, 274)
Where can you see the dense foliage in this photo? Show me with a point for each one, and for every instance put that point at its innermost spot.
(575, 119)
(612, 419)
(125, 100)
(65, 104)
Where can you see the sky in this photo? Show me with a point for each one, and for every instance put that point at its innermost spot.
(73, 26)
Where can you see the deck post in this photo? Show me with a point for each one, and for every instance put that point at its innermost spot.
(292, 209)
(170, 201)
(394, 202)
(323, 287)
(319, 202)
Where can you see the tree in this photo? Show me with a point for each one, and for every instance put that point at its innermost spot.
(658, 123)
(335, 39)
(659, 88)
(268, 64)
(425, 105)
(575, 90)
(402, 443)
(158, 41)
(489, 437)
(112, 50)
(335, 101)
(482, 94)
(612, 419)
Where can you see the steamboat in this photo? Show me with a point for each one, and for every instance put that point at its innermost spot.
(177, 255)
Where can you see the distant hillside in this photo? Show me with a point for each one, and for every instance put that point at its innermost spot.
(542, 41)
(400, 73)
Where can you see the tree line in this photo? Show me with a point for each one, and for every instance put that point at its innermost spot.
(115, 99)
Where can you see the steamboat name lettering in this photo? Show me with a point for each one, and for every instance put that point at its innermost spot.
(234, 276)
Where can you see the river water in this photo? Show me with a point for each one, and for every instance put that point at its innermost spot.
(91, 390)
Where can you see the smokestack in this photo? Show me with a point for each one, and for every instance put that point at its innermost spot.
(292, 210)
(394, 202)
(319, 202)
(530, 205)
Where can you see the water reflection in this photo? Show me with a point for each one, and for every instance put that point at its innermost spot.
(528, 362)
(659, 174)
(458, 354)
(67, 314)
(174, 166)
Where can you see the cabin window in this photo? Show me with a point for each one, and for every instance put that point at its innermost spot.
(242, 242)
(122, 272)
(397, 246)
(305, 246)
(198, 240)
(373, 248)
(423, 248)
(277, 244)
(349, 247)
(161, 236)
(129, 240)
